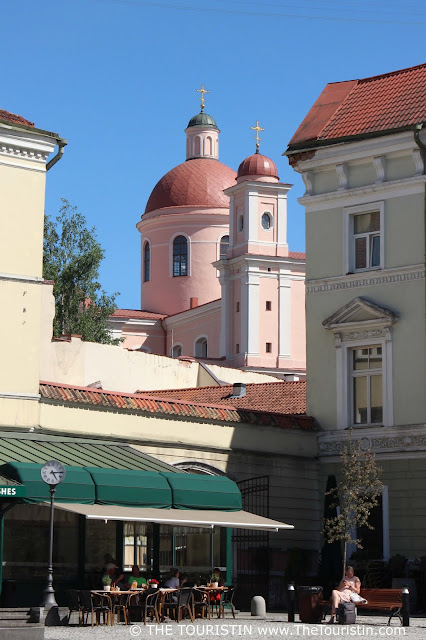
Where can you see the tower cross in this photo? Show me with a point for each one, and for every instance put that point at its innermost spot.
(202, 91)
(256, 137)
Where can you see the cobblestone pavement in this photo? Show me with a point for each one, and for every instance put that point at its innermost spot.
(244, 626)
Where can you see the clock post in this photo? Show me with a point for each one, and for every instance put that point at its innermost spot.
(52, 473)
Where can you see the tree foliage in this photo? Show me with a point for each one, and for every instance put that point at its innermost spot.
(356, 495)
(71, 258)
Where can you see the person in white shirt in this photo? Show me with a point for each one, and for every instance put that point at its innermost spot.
(173, 581)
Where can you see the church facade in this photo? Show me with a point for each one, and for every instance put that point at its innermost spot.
(218, 281)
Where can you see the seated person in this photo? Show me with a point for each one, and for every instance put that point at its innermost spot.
(217, 577)
(116, 574)
(348, 585)
(135, 576)
(174, 581)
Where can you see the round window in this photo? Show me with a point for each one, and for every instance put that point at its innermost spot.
(266, 221)
(241, 223)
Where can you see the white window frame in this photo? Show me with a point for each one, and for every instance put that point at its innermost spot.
(349, 237)
(344, 380)
(364, 373)
(188, 240)
(202, 337)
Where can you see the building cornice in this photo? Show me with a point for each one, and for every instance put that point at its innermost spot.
(374, 278)
(348, 151)
(258, 186)
(190, 314)
(390, 189)
(25, 145)
(402, 441)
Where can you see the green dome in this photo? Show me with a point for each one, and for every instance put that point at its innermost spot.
(202, 119)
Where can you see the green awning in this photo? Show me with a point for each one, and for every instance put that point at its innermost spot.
(131, 488)
(76, 487)
(192, 491)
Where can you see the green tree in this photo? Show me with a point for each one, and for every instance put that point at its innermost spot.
(71, 258)
(356, 494)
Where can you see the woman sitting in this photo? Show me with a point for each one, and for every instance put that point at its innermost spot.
(348, 585)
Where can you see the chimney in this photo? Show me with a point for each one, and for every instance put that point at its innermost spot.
(193, 302)
(239, 390)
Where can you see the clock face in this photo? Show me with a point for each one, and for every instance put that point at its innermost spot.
(52, 472)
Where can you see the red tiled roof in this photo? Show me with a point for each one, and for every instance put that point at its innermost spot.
(257, 165)
(137, 313)
(355, 107)
(86, 396)
(277, 397)
(11, 117)
(297, 255)
(200, 181)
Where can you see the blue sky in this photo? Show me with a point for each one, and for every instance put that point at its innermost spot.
(117, 79)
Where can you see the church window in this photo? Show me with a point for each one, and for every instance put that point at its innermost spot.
(269, 347)
(180, 256)
(241, 223)
(201, 348)
(237, 348)
(266, 221)
(209, 146)
(198, 146)
(224, 244)
(268, 305)
(367, 397)
(146, 262)
(177, 351)
(237, 307)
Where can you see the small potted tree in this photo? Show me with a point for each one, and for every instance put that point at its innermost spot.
(106, 581)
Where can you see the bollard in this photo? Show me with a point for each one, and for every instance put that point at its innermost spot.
(405, 609)
(258, 606)
(291, 601)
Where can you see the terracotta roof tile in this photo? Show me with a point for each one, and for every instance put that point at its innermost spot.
(297, 255)
(200, 181)
(137, 313)
(11, 117)
(380, 103)
(275, 397)
(146, 403)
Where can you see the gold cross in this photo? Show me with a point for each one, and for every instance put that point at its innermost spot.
(256, 137)
(202, 91)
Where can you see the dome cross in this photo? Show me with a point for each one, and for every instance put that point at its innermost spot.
(202, 91)
(256, 137)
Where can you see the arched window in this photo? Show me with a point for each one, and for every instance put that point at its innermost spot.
(180, 256)
(177, 351)
(201, 348)
(146, 262)
(240, 223)
(198, 145)
(224, 244)
(208, 146)
(266, 221)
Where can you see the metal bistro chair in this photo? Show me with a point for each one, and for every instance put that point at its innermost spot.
(227, 599)
(92, 603)
(143, 605)
(74, 604)
(184, 603)
(202, 603)
(119, 606)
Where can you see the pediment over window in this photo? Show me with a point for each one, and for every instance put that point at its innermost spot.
(360, 312)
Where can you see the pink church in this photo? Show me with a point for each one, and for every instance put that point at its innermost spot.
(218, 281)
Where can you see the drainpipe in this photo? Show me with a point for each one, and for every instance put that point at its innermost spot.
(61, 146)
(422, 148)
